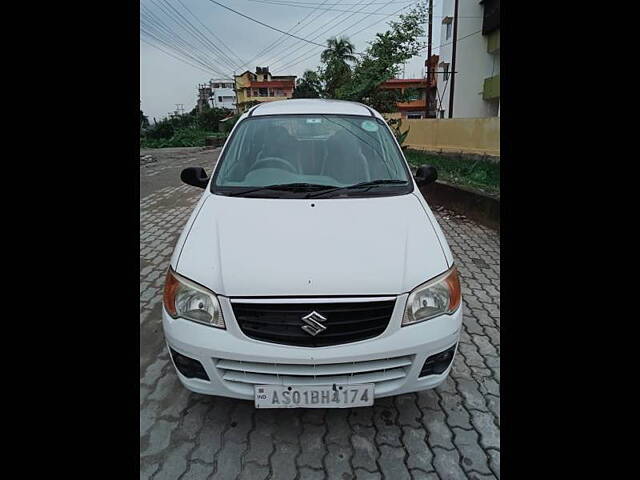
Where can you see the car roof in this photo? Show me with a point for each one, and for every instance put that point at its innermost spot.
(312, 106)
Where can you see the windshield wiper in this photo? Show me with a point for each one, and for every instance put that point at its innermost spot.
(367, 185)
(291, 187)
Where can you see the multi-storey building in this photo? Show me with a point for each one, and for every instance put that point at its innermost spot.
(416, 107)
(477, 67)
(261, 86)
(223, 94)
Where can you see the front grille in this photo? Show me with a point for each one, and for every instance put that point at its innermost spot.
(385, 373)
(282, 322)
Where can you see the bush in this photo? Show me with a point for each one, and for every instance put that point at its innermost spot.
(187, 130)
(183, 137)
(480, 174)
(228, 125)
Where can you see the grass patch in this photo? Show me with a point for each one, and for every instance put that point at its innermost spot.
(479, 174)
(182, 137)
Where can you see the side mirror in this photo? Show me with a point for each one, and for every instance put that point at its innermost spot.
(195, 176)
(425, 175)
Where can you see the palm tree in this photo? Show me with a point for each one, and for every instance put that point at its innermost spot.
(339, 50)
(336, 58)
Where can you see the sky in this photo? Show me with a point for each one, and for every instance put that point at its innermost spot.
(166, 81)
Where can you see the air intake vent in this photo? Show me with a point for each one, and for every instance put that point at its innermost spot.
(343, 322)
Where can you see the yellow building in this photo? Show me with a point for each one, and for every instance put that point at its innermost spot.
(261, 86)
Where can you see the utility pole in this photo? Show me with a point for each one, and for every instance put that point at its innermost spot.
(429, 69)
(453, 58)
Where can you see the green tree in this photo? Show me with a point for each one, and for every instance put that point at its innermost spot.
(382, 61)
(337, 57)
(309, 86)
(210, 118)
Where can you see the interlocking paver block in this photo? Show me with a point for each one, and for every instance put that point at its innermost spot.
(449, 433)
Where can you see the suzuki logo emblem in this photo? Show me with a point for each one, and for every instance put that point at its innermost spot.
(313, 325)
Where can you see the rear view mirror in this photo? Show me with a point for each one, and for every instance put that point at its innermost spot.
(425, 175)
(195, 176)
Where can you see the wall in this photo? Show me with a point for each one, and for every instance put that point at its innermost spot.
(467, 135)
(224, 92)
(473, 63)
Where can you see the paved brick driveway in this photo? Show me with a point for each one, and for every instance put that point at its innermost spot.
(449, 433)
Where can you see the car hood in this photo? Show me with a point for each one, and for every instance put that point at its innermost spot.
(290, 247)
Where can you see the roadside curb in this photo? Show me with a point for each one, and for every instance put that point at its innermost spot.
(480, 207)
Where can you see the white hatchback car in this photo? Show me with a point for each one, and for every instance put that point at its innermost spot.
(312, 272)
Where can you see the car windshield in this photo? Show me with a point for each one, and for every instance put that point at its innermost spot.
(294, 156)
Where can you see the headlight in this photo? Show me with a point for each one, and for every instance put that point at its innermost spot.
(186, 299)
(435, 297)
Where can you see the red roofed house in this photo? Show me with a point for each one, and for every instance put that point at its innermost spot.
(417, 107)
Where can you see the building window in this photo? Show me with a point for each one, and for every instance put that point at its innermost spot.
(414, 115)
(445, 71)
(263, 92)
(447, 21)
(220, 99)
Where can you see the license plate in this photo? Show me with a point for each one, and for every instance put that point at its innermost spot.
(313, 396)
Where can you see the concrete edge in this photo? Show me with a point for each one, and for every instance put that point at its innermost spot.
(480, 207)
(456, 153)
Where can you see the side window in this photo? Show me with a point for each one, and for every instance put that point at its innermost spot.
(234, 153)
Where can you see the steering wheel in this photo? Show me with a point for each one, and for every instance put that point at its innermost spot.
(278, 160)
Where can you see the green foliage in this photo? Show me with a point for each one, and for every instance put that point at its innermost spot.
(396, 128)
(336, 59)
(182, 137)
(479, 174)
(309, 86)
(210, 117)
(228, 125)
(382, 61)
(187, 130)
(144, 120)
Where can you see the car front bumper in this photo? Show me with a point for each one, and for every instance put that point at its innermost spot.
(235, 363)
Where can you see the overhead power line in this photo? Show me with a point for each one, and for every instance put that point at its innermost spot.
(282, 38)
(264, 24)
(185, 24)
(352, 35)
(311, 5)
(328, 4)
(232, 53)
(343, 32)
(172, 39)
(174, 56)
(295, 5)
(324, 30)
(325, 27)
(449, 43)
(178, 51)
(158, 30)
